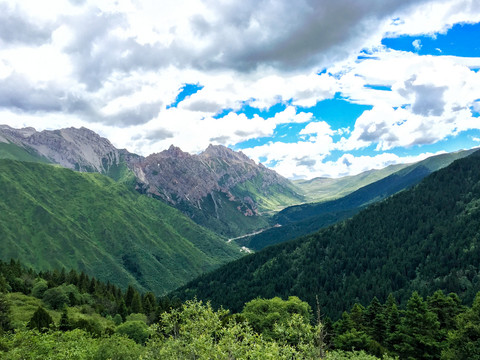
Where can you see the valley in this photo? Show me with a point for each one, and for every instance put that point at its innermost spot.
(182, 228)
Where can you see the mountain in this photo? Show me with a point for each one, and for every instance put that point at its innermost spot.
(51, 217)
(221, 189)
(327, 189)
(77, 149)
(424, 239)
(323, 189)
(306, 218)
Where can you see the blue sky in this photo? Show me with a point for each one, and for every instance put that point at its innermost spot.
(319, 89)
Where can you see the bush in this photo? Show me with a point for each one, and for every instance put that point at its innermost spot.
(135, 330)
(39, 288)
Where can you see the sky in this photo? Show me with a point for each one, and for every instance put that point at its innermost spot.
(311, 88)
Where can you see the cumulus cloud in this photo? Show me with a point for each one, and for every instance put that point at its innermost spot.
(16, 28)
(417, 44)
(114, 67)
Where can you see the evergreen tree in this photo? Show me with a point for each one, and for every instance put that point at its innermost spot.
(392, 318)
(129, 295)
(419, 331)
(122, 309)
(464, 343)
(65, 324)
(5, 324)
(357, 315)
(41, 320)
(136, 305)
(376, 323)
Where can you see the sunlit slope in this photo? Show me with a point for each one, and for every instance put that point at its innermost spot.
(51, 217)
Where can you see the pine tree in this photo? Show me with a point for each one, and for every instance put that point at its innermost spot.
(136, 306)
(129, 295)
(464, 343)
(41, 320)
(357, 315)
(392, 318)
(376, 322)
(419, 331)
(65, 324)
(5, 324)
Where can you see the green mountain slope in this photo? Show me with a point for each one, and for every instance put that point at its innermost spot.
(327, 189)
(15, 152)
(52, 217)
(304, 219)
(423, 239)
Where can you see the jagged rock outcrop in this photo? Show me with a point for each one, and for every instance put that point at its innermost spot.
(78, 149)
(178, 176)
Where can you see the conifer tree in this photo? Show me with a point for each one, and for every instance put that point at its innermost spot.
(392, 318)
(419, 331)
(376, 322)
(41, 320)
(464, 343)
(65, 324)
(136, 306)
(5, 324)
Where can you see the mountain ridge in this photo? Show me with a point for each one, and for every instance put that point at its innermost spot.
(219, 188)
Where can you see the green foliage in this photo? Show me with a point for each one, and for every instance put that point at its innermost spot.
(419, 331)
(55, 297)
(41, 320)
(39, 288)
(136, 330)
(76, 344)
(352, 355)
(5, 324)
(464, 340)
(118, 348)
(424, 239)
(198, 332)
(264, 314)
(52, 217)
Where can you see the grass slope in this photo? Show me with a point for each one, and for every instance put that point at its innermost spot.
(52, 217)
(15, 152)
(424, 239)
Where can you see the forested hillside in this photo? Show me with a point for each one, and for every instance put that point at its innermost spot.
(423, 239)
(65, 314)
(52, 217)
(307, 218)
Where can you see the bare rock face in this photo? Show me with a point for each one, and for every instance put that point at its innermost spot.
(78, 149)
(178, 176)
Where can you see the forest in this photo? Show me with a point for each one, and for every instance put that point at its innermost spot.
(60, 315)
(423, 239)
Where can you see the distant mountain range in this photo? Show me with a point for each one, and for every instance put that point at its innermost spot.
(422, 239)
(219, 188)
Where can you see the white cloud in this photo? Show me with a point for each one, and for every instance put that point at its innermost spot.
(115, 67)
(417, 44)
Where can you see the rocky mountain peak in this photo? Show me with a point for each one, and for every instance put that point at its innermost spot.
(224, 153)
(174, 151)
(78, 149)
